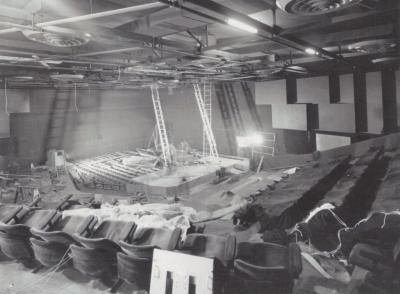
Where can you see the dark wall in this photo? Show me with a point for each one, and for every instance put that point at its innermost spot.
(101, 122)
(182, 115)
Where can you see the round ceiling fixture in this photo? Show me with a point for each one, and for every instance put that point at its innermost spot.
(67, 77)
(57, 37)
(314, 7)
(373, 46)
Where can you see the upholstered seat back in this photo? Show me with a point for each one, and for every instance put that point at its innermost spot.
(213, 246)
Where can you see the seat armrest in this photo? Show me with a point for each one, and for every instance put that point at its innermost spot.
(63, 204)
(48, 221)
(86, 226)
(128, 231)
(12, 215)
(36, 202)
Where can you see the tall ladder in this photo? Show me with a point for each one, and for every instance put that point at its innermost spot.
(226, 117)
(252, 106)
(207, 88)
(162, 131)
(57, 121)
(206, 121)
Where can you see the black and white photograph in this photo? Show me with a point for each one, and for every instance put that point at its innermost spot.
(199, 146)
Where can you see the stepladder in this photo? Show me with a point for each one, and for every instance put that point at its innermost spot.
(180, 273)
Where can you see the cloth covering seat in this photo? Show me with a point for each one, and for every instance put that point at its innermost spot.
(54, 243)
(96, 256)
(145, 240)
(134, 262)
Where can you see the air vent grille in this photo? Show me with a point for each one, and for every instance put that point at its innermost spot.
(314, 7)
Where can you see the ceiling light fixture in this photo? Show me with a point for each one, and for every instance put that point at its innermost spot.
(241, 25)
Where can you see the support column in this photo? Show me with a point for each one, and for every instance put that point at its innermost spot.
(389, 104)
(291, 90)
(334, 88)
(360, 102)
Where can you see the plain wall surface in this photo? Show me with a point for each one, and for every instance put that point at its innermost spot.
(326, 142)
(336, 117)
(181, 112)
(271, 92)
(18, 101)
(313, 90)
(346, 88)
(292, 117)
(104, 121)
(374, 102)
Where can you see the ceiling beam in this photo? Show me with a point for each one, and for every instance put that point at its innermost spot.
(221, 13)
(364, 18)
(88, 17)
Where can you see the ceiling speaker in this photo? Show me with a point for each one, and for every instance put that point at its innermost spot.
(57, 37)
(314, 7)
(373, 46)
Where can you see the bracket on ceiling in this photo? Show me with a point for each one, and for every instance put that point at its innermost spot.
(200, 44)
(157, 48)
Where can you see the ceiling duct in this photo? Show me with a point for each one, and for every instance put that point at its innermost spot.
(373, 46)
(392, 60)
(67, 77)
(58, 37)
(314, 7)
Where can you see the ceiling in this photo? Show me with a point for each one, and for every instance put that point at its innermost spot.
(135, 43)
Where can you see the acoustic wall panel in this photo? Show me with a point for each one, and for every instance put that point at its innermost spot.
(346, 88)
(336, 117)
(271, 92)
(291, 116)
(313, 90)
(374, 102)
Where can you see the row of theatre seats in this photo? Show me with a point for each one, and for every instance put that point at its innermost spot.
(114, 250)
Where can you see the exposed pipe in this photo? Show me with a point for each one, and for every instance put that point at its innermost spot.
(101, 14)
(95, 53)
(86, 17)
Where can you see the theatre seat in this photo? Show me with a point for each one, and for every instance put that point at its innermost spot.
(15, 233)
(146, 239)
(213, 246)
(96, 256)
(383, 263)
(134, 262)
(51, 246)
(266, 267)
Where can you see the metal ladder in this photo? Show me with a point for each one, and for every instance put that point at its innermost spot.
(206, 121)
(57, 121)
(207, 88)
(162, 131)
(252, 106)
